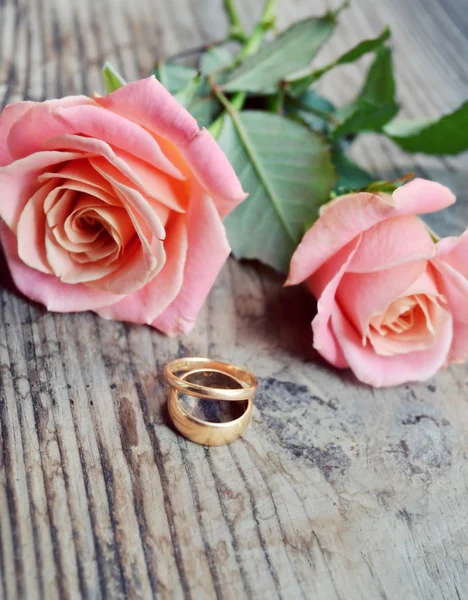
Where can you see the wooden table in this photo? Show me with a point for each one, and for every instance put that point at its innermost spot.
(337, 490)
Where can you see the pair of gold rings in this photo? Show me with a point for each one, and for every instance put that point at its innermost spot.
(209, 380)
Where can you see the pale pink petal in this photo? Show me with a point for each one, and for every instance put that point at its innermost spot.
(8, 118)
(420, 335)
(214, 172)
(323, 285)
(14, 112)
(208, 250)
(380, 371)
(131, 197)
(58, 204)
(424, 284)
(363, 295)
(454, 287)
(68, 270)
(392, 243)
(205, 150)
(421, 196)
(148, 103)
(136, 268)
(157, 185)
(118, 132)
(454, 251)
(48, 289)
(81, 176)
(113, 228)
(348, 216)
(31, 231)
(152, 300)
(116, 172)
(39, 123)
(18, 182)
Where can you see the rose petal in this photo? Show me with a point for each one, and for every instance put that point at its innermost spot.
(152, 300)
(380, 371)
(118, 132)
(363, 295)
(421, 196)
(392, 243)
(136, 268)
(80, 175)
(48, 289)
(58, 205)
(208, 250)
(454, 251)
(454, 287)
(419, 336)
(131, 197)
(45, 122)
(68, 270)
(117, 172)
(156, 185)
(18, 182)
(148, 103)
(31, 231)
(214, 172)
(348, 216)
(323, 285)
(8, 118)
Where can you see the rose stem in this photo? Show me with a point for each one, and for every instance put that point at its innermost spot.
(251, 46)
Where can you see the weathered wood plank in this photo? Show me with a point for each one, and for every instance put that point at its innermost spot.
(337, 490)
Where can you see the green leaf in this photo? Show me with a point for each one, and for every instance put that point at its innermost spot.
(351, 177)
(287, 171)
(187, 93)
(204, 109)
(112, 79)
(447, 135)
(211, 61)
(289, 52)
(174, 77)
(388, 187)
(375, 105)
(214, 59)
(379, 87)
(366, 116)
(299, 84)
(313, 110)
(363, 48)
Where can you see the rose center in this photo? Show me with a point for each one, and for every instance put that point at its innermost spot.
(408, 324)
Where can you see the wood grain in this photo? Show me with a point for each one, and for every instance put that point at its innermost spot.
(337, 491)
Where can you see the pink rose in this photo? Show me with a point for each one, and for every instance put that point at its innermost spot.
(114, 204)
(392, 304)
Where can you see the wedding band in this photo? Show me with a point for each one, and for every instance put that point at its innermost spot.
(205, 432)
(247, 380)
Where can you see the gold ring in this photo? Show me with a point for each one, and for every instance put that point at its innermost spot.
(242, 376)
(205, 432)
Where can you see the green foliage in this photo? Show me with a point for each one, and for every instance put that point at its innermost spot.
(111, 78)
(288, 143)
(186, 94)
(447, 135)
(174, 76)
(375, 105)
(286, 185)
(314, 111)
(300, 83)
(292, 50)
(351, 176)
(214, 59)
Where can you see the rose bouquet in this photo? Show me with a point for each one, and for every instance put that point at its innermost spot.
(128, 204)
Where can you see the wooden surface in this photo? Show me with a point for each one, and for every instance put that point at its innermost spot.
(337, 491)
